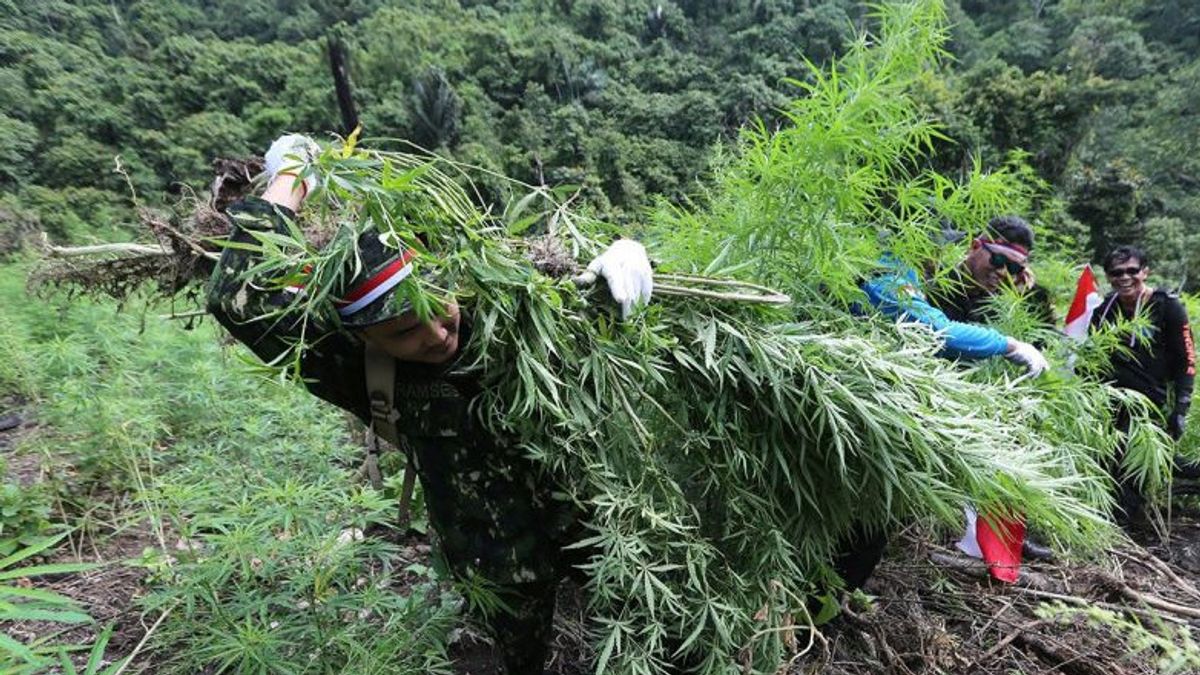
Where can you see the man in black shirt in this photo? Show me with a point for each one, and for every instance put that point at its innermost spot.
(1000, 254)
(1158, 361)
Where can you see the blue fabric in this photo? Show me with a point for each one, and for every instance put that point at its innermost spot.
(896, 293)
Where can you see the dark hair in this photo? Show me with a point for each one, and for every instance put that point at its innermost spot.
(1122, 253)
(1012, 229)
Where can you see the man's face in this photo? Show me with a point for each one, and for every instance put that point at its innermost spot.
(992, 262)
(408, 338)
(1128, 278)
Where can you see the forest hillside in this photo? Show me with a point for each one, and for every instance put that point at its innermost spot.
(720, 463)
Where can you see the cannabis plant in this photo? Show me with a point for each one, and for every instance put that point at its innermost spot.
(723, 448)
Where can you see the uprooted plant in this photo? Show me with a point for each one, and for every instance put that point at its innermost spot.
(723, 448)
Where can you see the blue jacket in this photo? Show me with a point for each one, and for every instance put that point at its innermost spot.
(896, 293)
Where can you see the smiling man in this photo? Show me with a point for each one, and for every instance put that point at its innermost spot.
(1158, 361)
(999, 256)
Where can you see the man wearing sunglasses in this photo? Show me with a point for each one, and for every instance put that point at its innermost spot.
(996, 258)
(897, 293)
(1000, 256)
(1158, 361)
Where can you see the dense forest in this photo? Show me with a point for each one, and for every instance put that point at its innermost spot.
(625, 98)
(168, 507)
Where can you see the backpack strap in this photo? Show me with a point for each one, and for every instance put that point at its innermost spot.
(381, 393)
(381, 387)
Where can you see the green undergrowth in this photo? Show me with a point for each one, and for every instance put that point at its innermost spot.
(244, 489)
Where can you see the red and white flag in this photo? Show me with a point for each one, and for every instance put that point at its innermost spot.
(997, 541)
(1087, 299)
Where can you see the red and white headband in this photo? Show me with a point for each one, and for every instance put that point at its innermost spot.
(379, 283)
(1014, 248)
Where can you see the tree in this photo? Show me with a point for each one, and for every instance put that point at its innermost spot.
(1108, 46)
(17, 141)
(1112, 201)
(435, 110)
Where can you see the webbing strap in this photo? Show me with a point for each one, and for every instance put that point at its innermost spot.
(381, 392)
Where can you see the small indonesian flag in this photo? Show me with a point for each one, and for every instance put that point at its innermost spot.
(997, 541)
(1087, 299)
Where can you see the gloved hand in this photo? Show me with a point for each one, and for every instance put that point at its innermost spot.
(626, 268)
(292, 153)
(1028, 356)
(1176, 423)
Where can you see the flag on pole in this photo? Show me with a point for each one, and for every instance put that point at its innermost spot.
(997, 541)
(1087, 299)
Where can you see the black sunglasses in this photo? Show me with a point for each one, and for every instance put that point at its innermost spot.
(999, 260)
(1123, 271)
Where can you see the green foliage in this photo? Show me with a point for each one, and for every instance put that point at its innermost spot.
(543, 94)
(1001, 109)
(95, 658)
(17, 139)
(273, 574)
(198, 139)
(246, 486)
(1108, 46)
(24, 515)
(20, 603)
(723, 451)
(1112, 200)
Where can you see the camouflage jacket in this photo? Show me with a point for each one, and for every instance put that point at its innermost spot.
(494, 510)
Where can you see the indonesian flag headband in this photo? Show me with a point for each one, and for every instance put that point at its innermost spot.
(369, 299)
(1015, 249)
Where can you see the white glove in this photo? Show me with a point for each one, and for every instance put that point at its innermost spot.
(1028, 356)
(292, 153)
(626, 268)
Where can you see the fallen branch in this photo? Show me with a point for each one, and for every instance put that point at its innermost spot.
(100, 249)
(978, 568)
(1154, 601)
(185, 315)
(142, 643)
(1151, 561)
(1072, 664)
(1025, 627)
(1085, 602)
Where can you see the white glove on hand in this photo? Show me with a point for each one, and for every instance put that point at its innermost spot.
(1028, 356)
(292, 153)
(626, 268)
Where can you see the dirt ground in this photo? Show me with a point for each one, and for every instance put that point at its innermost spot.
(933, 611)
(930, 610)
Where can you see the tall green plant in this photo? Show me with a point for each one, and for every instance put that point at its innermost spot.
(723, 450)
(21, 603)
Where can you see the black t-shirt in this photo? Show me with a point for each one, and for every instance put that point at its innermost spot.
(1161, 356)
(961, 299)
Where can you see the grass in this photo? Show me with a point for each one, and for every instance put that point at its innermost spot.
(246, 487)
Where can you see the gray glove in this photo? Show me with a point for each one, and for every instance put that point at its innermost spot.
(292, 153)
(1028, 356)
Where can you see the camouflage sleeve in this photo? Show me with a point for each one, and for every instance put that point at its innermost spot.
(253, 310)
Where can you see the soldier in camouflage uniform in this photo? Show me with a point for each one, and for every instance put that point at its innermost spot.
(495, 512)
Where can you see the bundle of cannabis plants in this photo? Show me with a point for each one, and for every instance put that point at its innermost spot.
(723, 449)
